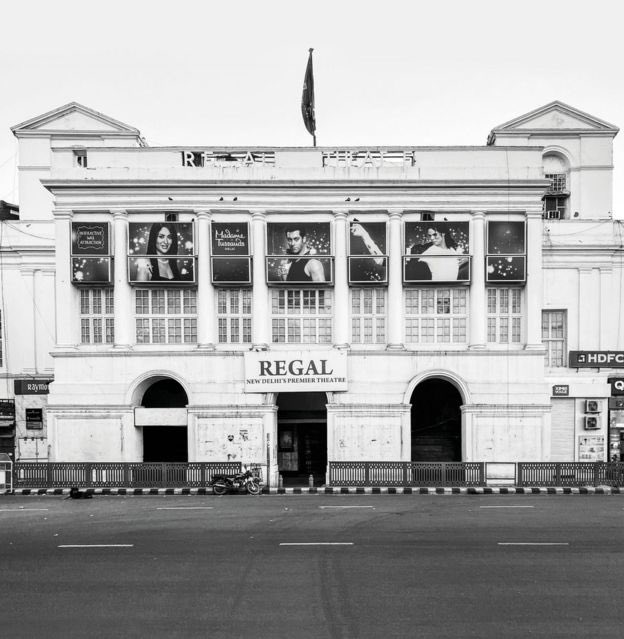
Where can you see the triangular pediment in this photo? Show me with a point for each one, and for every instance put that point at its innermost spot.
(555, 117)
(74, 118)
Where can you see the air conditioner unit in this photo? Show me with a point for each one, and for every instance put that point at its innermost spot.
(593, 406)
(553, 215)
(592, 422)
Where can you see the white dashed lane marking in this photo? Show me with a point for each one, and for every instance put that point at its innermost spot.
(97, 546)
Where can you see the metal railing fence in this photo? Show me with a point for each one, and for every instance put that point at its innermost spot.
(406, 474)
(119, 475)
(570, 474)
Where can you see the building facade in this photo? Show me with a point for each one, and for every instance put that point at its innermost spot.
(294, 306)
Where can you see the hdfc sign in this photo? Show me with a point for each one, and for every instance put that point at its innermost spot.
(596, 359)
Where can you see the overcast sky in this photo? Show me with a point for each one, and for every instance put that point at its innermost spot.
(387, 72)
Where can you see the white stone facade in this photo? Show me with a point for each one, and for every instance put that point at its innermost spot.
(486, 339)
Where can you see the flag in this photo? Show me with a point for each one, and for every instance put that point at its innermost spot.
(307, 98)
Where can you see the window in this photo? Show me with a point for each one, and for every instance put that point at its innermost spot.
(504, 319)
(80, 158)
(234, 316)
(434, 315)
(554, 329)
(555, 200)
(166, 316)
(97, 324)
(368, 316)
(301, 316)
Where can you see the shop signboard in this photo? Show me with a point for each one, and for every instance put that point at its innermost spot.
(31, 386)
(91, 262)
(231, 261)
(295, 371)
(561, 390)
(368, 258)
(299, 252)
(596, 359)
(161, 253)
(34, 418)
(617, 386)
(436, 252)
(506, 251)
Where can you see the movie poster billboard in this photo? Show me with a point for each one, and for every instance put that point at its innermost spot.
(91, 263)
(368, 261)
(440, 252)
(506, 251)
(161, 252)
(229, 244)
(299, 253)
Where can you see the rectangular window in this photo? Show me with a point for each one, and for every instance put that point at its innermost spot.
(97, 322)
(504, 320)
(554, 335)
(234, 316)
(301, 316)
(166, 316)
(436, 315)
(368, 316)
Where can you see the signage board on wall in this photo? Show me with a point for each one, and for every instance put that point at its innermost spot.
(617, 386)
(561, 390)
(31, 386)
(90, 248)
(596, 359)
(34, 418)
(591, 448)
(295, 371)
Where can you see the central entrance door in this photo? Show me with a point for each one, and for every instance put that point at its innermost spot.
(302, 438)
(436, 422)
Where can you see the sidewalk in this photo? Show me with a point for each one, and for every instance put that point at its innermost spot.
(341, 490)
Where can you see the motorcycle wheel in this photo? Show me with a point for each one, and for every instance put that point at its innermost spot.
(219, 488)
(253, 488)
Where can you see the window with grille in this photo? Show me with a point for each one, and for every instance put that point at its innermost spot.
(558, 182)
(166, 316)
(504, 318)
(97, 322)
(554, 333)
(234, 316)
(434, 315)
(301, 316)
(368, 316)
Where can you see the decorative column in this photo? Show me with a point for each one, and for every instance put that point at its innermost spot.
(261, 335)
(534, 280)
(341, 284)
(123, 290)
(395, 282)
(67, 312)
(206, 311)
(478, 302)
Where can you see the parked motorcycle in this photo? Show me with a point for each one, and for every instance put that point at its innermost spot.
(240, 482)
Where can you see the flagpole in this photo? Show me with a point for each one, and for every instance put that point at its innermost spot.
(307, 99)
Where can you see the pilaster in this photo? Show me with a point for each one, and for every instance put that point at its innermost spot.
(341, 283)
(534, 280)
(395, 282)
(261, 336)
(67, 331)
(478, 315)
(206, 311)
(123, 291)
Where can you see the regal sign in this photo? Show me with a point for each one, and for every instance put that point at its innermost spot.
(295, 371)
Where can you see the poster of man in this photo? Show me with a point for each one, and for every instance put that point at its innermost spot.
(161, 252)
(368, 262)
(506, 251)
(296, 252)
(91, 262)
(229, 246)
(442, 250)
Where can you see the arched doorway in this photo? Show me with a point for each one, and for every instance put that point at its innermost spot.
(436, 421)
(163, 442)
(302, 438)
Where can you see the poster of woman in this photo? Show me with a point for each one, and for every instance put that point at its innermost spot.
(368, 262)
(442, 250)
(161, 252)
(296, 250)
(506, 251)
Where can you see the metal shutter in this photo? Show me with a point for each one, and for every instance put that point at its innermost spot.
(562, 430)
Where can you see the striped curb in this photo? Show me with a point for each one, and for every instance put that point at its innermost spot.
(338, 490)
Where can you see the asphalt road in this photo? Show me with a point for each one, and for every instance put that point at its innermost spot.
(312, 566)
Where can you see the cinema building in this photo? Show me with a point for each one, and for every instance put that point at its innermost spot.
(294, 306)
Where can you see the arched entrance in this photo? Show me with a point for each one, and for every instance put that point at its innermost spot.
(302, 438)
(163, 441)
(436, 421)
